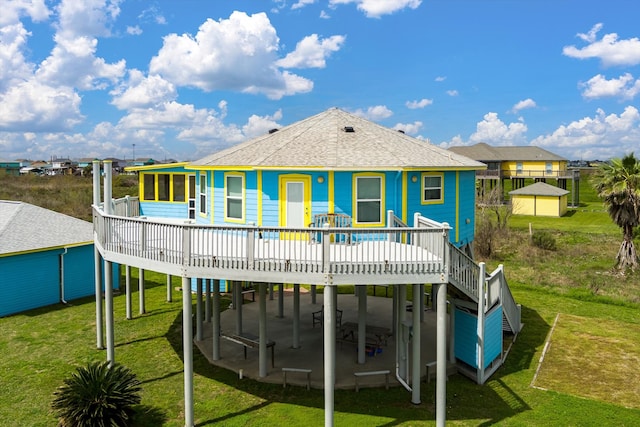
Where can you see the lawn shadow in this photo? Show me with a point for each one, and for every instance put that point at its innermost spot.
(495, 401)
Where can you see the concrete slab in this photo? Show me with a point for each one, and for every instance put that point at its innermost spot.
(310, 353)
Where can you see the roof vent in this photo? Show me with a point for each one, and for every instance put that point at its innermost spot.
(349, 129)
(274, 130)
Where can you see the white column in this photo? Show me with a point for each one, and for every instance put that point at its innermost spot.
(416, 360)
(207, 300)
(262, 351)
(215, 321)
(329, 353)
(97, 259)
(237, 289)
(108, 298)
(440, 295)
(296, 316)
(362, 322)
(141, 291)
(199, 309)
(187, 344)
(127, 291)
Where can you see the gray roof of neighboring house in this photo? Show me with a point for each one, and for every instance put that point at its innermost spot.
(322, 141)
(487, 153)
(539, 189)
(25, 227)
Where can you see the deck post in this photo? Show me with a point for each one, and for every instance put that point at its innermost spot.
(141, 304)
(280, 300)
(416, 360)
(329, 352)
(215, 321)
(127, 291)
(313, 294)
(480, 330)
(441, 354)
(262, 350)
(187, 344)
(108, 307)
(169, 289)
(421, 302)
(237, 304)
(198, 309)
(97, 259)
(362, 323)
(207, 300)
(403, 339)
(296, 316)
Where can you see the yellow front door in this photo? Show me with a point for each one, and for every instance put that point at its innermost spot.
(295, 202)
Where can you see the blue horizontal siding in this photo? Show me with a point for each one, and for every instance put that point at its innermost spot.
(164, 210)
(492, 336)
(466, 337)
(29, 281)
(79, 272)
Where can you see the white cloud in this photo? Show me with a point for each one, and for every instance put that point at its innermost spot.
(609, 49)
(239, 53)
(409, 128)
(143, 92)
(596, 137)
(494, 131)
(413, 105)
(13, 10)
(324, 15)
(523, 105)
(377, 8)
(302, 3)
(134, 31)
(311, 52)
(377, 112)
(31, 106)
(440, 78)
(260, 125)
(625, 87)
(13, 66)
(452, 92)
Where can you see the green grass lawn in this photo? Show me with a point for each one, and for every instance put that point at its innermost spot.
(42, 347)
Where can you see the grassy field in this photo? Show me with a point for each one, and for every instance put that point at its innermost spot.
(581, 316)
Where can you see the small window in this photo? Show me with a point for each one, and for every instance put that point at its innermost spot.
(179, 188)
(149, 183)
(519, 168)
(203, 193)
(369, 199)
(234, 187)
(431, 188)
(163, 187)
(549, 168)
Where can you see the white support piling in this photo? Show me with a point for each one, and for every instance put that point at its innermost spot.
(108, 308)
(415, 344)
(127, 291)
(199, 309)
(362, 323)
(262, 351)
(97, 259)
(187, 344)
(441, 354)
(329, 353)
(215, 320)
(141, 296)
(207, 300)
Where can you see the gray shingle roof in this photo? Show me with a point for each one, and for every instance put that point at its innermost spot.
(485, 152)
(540, 189)
(321, 141)
(25, 227)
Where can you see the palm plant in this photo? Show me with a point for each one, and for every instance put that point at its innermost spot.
(97, 395)
(618, 185)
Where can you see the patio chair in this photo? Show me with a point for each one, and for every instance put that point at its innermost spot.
(318, 317)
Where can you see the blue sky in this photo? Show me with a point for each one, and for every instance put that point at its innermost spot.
(181, 79)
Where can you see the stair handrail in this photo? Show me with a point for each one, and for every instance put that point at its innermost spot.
(512, 310)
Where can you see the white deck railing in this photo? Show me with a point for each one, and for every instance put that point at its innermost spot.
(355, 254)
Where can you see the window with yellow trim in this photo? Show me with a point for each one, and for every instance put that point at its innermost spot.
(203, 193)
(368, 199)
(164, 187)
(432, 188)
(234, 197)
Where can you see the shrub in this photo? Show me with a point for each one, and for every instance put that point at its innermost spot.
(544, 240)
(97, 395)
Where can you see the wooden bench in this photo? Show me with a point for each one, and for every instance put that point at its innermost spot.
(299, 370)
(384, 372)
(249, 291)
(249, 340)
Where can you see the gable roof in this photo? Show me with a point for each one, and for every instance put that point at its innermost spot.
(335, 139)
(485, 152)
(540, 189)
(25, 227)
